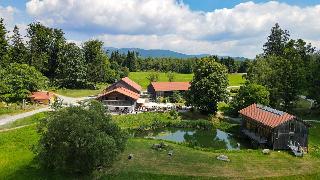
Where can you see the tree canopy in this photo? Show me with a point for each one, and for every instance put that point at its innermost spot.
(79, 139)
(18, 80)
(248, 94)
(208, 86)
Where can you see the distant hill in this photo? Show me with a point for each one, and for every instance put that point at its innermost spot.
(160, 53)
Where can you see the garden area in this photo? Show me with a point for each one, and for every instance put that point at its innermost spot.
(186, 162)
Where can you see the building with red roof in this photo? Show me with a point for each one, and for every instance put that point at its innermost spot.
(166, 89)
(121, 96)
(125, 83)
(270, 127)
(42, 97)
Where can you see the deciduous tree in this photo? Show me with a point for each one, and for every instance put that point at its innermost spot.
(79, 139)
(208, 86)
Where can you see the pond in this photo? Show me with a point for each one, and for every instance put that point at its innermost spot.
(216, 138)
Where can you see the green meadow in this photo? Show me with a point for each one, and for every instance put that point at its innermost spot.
(141, 78)
(17, 160)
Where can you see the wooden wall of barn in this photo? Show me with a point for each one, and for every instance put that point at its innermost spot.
(295, 131)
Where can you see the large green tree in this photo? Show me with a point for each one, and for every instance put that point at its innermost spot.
(18, 80)
(282, 68)
(4, 45)
(79, 139)
(18, 50)
(276, 41)
(44, 45)
(97, 61)
(208, 86)
(248, 94)
(314, 79)
(71, 70)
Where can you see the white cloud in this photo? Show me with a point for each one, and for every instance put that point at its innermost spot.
(7, 13)
(168, 24)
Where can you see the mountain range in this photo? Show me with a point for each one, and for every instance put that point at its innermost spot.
(161, 53)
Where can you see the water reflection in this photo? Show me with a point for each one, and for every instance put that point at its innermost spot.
(216, 138)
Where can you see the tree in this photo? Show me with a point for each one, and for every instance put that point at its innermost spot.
(44, 45)
(314, 79)
(71, 72)
(176, 97)
(18, 51)
(282, 68)
(3, 44)
(97, 62)
(153, 76)
(18, 80)
(79, 139)
(39, 46)
(276, 42)
(208, 86)
(248, 94)
(131, 61)
(171, 76)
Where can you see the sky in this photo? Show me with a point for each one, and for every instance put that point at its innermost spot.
(221, 27)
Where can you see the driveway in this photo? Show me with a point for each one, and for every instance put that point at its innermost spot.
(12, 118)
(66, 100)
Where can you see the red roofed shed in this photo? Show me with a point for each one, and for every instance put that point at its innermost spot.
(274, 128)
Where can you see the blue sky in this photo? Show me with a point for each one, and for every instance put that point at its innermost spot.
(209, 5)
(223, 27)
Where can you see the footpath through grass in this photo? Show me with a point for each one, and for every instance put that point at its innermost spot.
(141, 78)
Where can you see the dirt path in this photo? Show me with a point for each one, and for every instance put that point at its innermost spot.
(66, 100)
(12, 118)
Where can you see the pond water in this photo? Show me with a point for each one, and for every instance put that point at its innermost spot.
(216, 138)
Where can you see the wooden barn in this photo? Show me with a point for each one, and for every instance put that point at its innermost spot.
(272, 128)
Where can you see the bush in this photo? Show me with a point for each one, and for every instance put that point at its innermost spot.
(79, 139)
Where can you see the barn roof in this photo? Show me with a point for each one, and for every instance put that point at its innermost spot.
(123, 91)
(170, 86)
(266, 115)
(41, 95)
(132, 83)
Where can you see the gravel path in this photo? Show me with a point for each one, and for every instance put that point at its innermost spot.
(12, 118)
(66, 100)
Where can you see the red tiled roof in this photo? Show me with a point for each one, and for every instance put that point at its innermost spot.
(170, 86)
(132, 83)
(265, 115)
(41, 95)
(123, 91)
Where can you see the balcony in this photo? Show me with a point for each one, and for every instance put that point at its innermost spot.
(117, 103)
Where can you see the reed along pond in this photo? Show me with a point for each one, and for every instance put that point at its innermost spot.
(215, 138)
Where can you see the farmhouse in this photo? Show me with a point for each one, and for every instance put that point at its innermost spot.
(121, 96)
(42, 97)
(272, 128)
(165, 89)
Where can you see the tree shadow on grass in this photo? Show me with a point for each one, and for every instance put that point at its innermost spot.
(34, 171)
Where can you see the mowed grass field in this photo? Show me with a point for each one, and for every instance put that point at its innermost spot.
(141, 78)
(81, 92)
(17, 161)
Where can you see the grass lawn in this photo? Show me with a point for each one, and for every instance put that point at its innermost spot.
(81, 92)
(16, 161)
(141, 78)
